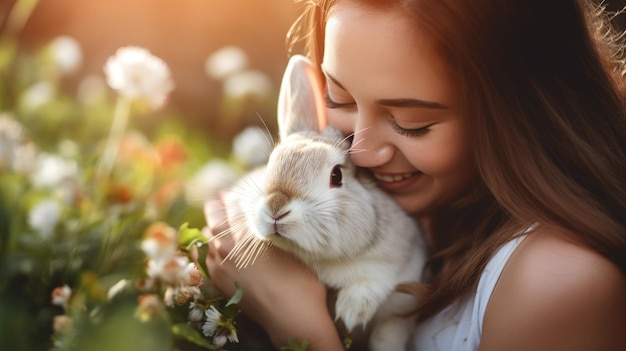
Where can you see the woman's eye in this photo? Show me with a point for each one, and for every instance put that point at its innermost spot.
(415, 132)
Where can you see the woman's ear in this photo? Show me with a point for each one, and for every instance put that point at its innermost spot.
(301, 104)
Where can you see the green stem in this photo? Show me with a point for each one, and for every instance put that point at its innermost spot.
(111, 149)
(19, 15)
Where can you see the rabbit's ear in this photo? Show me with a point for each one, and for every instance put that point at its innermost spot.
(300, 102)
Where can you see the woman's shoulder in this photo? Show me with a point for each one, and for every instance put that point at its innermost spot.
(554, 294)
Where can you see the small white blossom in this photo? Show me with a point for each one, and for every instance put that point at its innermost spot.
(213, 318)
(44, 216)
(67, 53)
(209, 180)
(225, 61)
(219, 341)
(10, 128)
(11, 136)
(160, 242)
(232, 337)
(252, 146)
(180, 295)
(216, 326)
(170, 271)
(248, 83)
(37, 95)
(52, 170)
(196, 312)
(137, 74)
(193, 276)
(61, 296)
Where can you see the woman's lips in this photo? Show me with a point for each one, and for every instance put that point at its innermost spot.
(395, 181)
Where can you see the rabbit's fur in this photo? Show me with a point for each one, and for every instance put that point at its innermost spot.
(312, 201)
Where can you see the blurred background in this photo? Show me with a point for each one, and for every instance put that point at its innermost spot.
(184, 33)
(67, 221)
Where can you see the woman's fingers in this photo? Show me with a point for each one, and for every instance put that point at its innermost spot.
(220, 233)
(215, 215)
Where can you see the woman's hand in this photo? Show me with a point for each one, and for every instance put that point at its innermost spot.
(279, 292)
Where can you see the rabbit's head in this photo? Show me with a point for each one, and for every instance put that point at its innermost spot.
(308, 199)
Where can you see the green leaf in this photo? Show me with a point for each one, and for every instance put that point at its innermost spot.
(231, 309)
(202, 252)
(187, 332)
(237, 296)
(295, 346)
(188, 237)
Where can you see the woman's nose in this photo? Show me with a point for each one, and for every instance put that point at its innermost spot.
(369, 147)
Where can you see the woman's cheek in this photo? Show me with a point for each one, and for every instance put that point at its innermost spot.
(341, 120)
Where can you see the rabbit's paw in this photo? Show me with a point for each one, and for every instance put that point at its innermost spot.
(391, 334)
(356, 306)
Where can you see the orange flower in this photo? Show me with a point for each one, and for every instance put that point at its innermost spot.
(171, 152)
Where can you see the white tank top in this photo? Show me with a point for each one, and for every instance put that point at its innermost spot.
(459, 326)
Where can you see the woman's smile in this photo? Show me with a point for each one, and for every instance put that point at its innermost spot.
(395, 181)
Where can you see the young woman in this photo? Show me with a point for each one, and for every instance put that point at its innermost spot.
(501, 127)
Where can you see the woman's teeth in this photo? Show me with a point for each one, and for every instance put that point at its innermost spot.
(392, 178)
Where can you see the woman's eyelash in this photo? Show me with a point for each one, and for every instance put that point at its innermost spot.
(411, 132)
(331, 104)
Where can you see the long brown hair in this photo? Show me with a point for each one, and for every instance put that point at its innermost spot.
(542, 85)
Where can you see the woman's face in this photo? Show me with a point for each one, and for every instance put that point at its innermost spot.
(388, 88)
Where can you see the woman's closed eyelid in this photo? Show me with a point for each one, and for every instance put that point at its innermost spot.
(413, 132)
(415, 127)
(330, 103)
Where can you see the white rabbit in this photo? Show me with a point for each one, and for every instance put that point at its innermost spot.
(312, 201)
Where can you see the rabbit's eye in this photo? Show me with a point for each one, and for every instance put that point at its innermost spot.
(336, 177)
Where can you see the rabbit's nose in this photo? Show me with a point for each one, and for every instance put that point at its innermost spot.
(278, 217)
(276, 201)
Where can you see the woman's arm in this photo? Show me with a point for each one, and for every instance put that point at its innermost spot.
(556, 295)
(280, 293)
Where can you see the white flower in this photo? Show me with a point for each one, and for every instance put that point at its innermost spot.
(160, 242)
(52, 170)
(10, 128)
(37, 95)
(252, 146)
(11, 135)
(232, 337)
(137, 74)
(196, 313)
(180, 295)
(193, 276)
(44, 216)
(218, 327)
(61, 296)
(248, 83)
(171, 272)
(219, 341)
(67, 53)
(225, 62)
(213, 318)
(209, 180)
